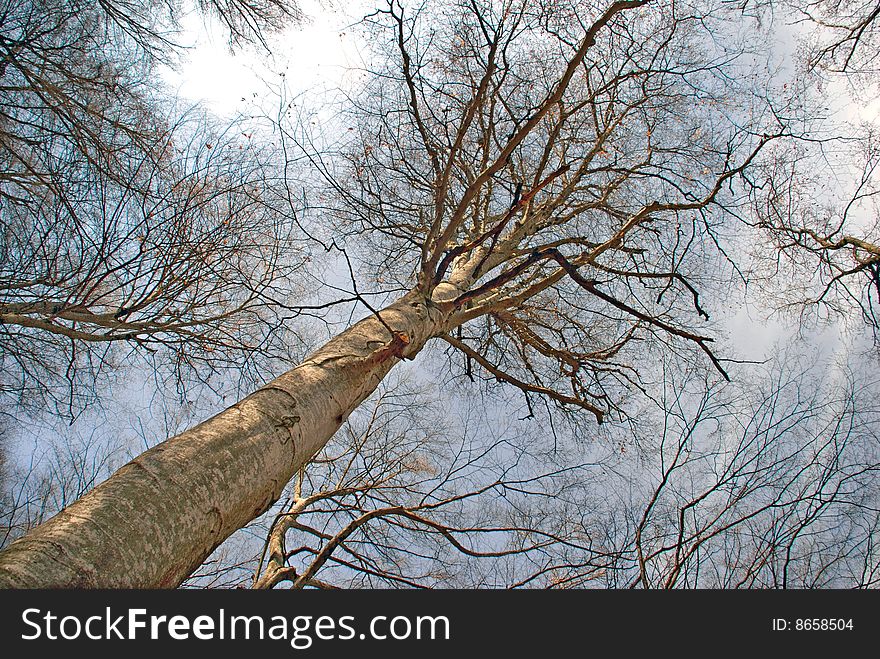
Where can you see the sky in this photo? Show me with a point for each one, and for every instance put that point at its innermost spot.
(314, 55)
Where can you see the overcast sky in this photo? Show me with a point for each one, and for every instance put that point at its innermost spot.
(313, 55)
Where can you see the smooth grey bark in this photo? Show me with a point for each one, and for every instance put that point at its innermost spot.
(153, 522)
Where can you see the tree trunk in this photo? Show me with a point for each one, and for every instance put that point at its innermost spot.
(153, 522)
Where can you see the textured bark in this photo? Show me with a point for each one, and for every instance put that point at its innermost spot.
(156, 519)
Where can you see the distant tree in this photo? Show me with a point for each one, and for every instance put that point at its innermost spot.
(765, 483)
(848, 34)
(58, 471)
(817, 203)
(128, 225)
(815, 196)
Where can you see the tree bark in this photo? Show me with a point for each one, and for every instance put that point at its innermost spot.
(153, 522)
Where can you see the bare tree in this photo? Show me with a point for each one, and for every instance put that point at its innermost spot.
(847, 38)
(129, 227)
(834, 36)
(544, 183)
(56, 473)
(820, 213)
(768, 481)
(250, 21)
(815, 195)
(411, 500)
(773, 486)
